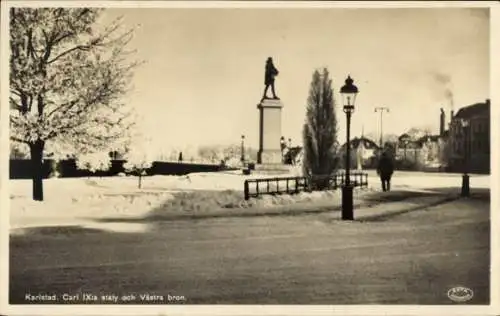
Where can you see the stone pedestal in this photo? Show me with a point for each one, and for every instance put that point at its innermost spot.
(269, 157)
(269, 131)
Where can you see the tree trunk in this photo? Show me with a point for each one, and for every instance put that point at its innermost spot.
(140, 180)
(36, 151)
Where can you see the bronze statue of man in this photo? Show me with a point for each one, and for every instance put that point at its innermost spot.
(271, 72)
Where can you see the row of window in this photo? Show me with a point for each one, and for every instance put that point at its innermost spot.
(478, 126)
(479, 144)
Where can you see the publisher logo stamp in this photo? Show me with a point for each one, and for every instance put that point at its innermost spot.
(460, 294)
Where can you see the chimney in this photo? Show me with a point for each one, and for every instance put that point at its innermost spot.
(488, 102)
(441, 122)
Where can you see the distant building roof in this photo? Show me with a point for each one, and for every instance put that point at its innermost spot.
(473, 110)
(404, 136)
(431, 138)
(367, 143)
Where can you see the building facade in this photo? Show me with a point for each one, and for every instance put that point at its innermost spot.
(469, 148)
(464, 146)
(363, 153)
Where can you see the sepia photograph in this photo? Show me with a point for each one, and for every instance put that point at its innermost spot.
(247, 154)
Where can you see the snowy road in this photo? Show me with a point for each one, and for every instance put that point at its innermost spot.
(410, 259)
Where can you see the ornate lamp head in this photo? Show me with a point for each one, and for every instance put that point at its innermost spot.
(349, 92)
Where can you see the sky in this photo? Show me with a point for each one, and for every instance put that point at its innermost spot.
(204, 68)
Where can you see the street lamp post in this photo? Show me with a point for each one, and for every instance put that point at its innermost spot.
(243, 149)
(465, 177)
(348, 92)
(381, 109)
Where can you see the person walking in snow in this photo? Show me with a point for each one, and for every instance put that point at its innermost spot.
(385, 169)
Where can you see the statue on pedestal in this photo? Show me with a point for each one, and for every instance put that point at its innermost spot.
(271, 72)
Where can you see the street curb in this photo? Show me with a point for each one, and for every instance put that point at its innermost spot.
(229, 214)
(384, 216)
(280, 212)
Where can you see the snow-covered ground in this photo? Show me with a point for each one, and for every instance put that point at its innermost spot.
(70, 201)
(435, 180)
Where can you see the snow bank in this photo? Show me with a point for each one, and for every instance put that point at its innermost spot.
(78, 210)
(219, 181)
(79, 200)
(207, 201)
(76, 200)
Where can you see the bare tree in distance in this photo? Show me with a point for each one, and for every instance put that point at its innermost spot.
(218, 152)
(209, 154)
(373, 136)
(66, 80)
(415, 133)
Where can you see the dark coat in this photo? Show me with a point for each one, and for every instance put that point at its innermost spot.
(385, 166)
(271, 72)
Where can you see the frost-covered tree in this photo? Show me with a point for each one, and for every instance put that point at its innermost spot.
(139, 158)
(390, 138)
(209, 153)
(415, 133)
(251, 153)
(320, 131)
(18, 150)
(231, 151)
(216, 153)
(94, 161)
(138, 164)
(67, 76)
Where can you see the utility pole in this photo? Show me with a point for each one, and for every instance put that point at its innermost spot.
(381, 109)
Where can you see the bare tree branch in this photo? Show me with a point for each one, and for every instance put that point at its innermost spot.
(79, 47)
(48, 46)
(15, 92)
(64, 108)
(13, 101)
(19, 140)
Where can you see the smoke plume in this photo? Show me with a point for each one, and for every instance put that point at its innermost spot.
(443, 83)
(442, 78)
(449, 96)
